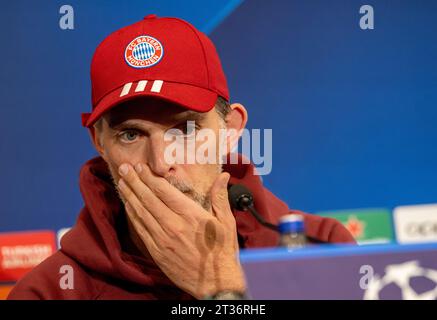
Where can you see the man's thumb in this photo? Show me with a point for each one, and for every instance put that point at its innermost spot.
(219, 196)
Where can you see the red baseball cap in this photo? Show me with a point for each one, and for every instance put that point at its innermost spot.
(167, 58)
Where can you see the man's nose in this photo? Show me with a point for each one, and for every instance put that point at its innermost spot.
(156, 156)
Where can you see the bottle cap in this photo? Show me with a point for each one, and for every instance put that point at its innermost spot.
(291, 223)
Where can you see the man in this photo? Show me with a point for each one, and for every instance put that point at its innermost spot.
(152, 228)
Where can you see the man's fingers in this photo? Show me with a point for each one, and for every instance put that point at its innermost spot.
(149, 221)
(219, 198)
(140, 228)
(149, 200)
(168, 194)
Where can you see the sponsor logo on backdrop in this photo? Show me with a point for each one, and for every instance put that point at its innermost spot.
(22, 251)
(355, 226)
(373, 225)
(416, 224)
(408, 278)
(26, 256)
(425, 228)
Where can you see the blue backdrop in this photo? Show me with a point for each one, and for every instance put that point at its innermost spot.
(353, 111)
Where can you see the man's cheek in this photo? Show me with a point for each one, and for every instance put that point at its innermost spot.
(118, 156)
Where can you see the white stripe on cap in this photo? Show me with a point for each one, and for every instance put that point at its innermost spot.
(141, 86)
(126, 89)
(156, 87)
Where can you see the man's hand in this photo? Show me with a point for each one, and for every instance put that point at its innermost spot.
(197, 250)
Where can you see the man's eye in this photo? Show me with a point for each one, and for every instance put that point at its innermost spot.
(189, 129)
(129, 135)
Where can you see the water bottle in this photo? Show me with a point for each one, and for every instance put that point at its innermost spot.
(292, 231)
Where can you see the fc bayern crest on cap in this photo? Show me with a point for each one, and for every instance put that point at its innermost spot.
(143, 52)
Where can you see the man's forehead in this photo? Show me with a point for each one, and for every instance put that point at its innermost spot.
(154, 110)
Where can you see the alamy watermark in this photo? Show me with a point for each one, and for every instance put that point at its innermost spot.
(367, 275)
(66, 22)
(205, 146)
(367, 20)
(66, 280)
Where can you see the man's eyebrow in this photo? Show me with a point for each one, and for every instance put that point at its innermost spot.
(116, 124)
(131, 124)
(189, 115)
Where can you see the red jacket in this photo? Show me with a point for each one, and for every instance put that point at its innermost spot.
(106, 264)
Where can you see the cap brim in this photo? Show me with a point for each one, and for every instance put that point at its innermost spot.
(187, 96)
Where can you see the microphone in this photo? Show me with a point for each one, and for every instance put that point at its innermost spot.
(241, 199)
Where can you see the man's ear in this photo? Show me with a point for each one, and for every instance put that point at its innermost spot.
(95, 136)
(237, 117)
(236, 121)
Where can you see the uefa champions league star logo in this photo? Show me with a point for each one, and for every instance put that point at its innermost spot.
(402, 276)
(143, 52)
